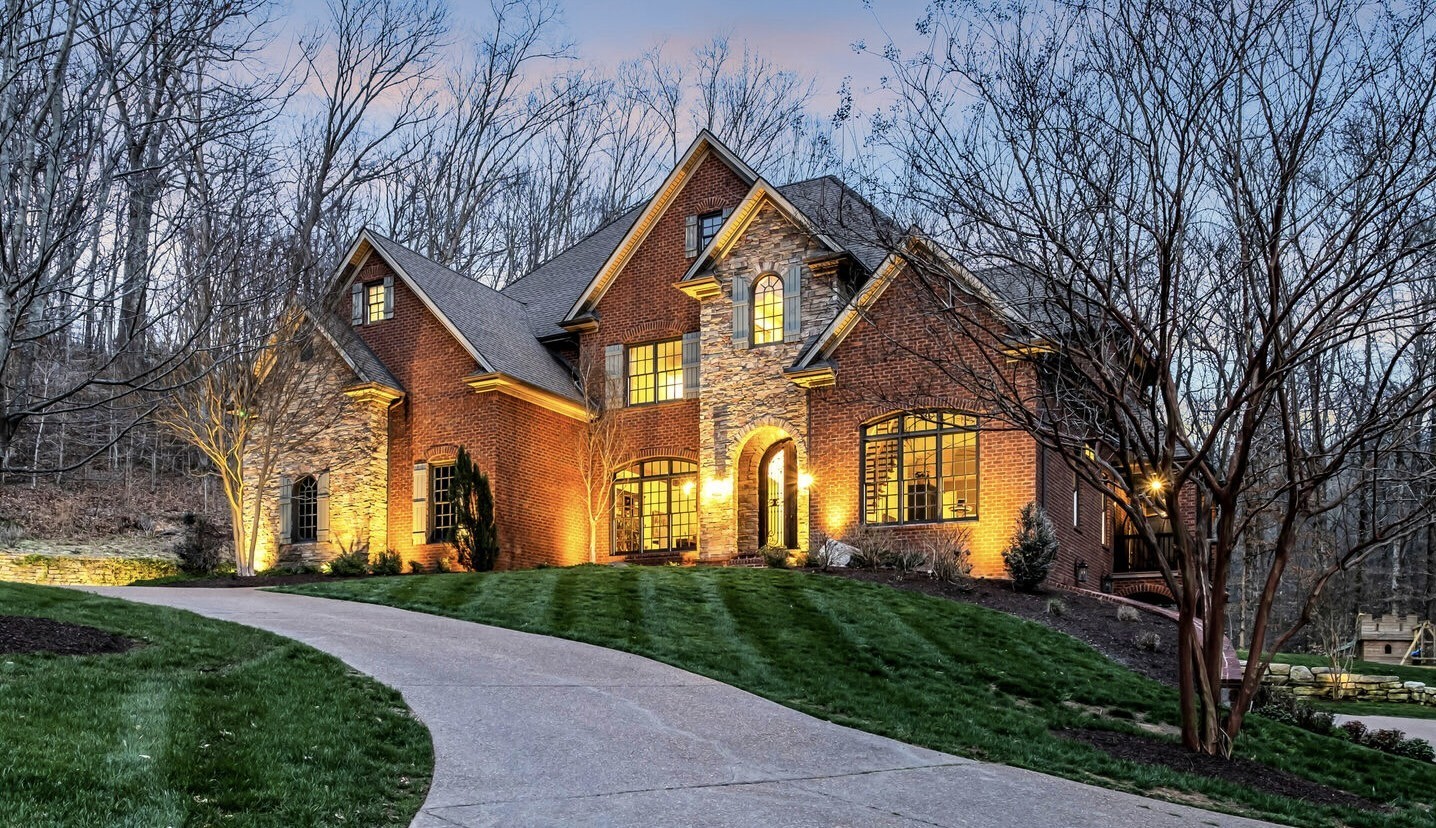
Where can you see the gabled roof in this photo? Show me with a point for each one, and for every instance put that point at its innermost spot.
(551, 289)
(892, 264)
(495, 329)
(704, 145)
(365, 364)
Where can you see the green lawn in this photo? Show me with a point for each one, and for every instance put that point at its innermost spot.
(207, 723)
(1368, 708)
(925, 670)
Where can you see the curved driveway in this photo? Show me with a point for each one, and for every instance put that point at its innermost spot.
(536, 731)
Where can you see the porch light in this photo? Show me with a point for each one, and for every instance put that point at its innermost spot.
(805, 480)
(1081, 572)
(717, 488)
(1155, 485)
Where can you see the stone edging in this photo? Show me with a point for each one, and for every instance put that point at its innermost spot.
(79, 570)
(1328, 683)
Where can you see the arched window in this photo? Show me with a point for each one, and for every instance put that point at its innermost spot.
(767, 309)
(304, 503)
(655, 507)
(920, 467)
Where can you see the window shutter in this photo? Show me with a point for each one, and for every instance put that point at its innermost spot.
(388, 297)
(690, 236)
(742, 316)
(321, 512)
(420, 526)
(285, 492)
(356, 294)
(690, 365)
(613, 376)
(793, 303)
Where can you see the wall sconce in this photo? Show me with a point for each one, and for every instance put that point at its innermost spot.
(1080, 572)
(716, 488)
(1155, 485)
(1107, 584)
(804, 481)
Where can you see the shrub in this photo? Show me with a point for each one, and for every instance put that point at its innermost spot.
(353, 562)
(1149, 641)
(197, 554)
(775, 556)
(1033, 548)
(443, 564)
(821, 558)
(870, 548)
(1355, 731)
(1418, 749)
(1281, 705)
(950, 556)
(1386, 741)
(416, 567)
(476, 536)
(1126, 613)
(904, 558)
(387, 562)
(1056, 607)
(10, 532)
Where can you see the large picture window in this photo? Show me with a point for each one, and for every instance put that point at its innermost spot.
(920, 467)
(441, 503)
(767, 310)
(304, 501)
(655, 372)
(655, 507)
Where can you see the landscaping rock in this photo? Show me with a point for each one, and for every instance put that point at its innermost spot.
(1301, 674)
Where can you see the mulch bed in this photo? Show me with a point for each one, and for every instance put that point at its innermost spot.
(1244, 772)
(26, 634)
(1086, 619)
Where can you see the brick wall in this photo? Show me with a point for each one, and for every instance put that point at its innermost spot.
(876, 376)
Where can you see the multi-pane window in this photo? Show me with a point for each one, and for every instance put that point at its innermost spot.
(304, 501)
(374, 302)
(655, 507)
(767, 310)
(655, 372)
(708, 225)
(920, 468)
(441, 503)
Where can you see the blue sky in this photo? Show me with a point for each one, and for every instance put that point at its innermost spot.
(811, 36)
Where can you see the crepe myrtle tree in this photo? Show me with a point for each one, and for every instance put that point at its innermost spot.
(1202, 236)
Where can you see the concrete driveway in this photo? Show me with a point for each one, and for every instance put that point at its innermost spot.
(536, 731)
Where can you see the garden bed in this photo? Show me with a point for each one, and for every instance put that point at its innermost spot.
(27, 634)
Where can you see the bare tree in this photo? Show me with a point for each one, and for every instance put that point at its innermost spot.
(1206, 226)
(602, 449)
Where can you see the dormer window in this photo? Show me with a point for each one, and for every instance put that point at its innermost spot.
(374, 302)
(708, 225)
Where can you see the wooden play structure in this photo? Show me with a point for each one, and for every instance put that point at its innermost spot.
(1395, 639)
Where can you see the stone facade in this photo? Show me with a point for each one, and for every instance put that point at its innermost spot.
(348, 444)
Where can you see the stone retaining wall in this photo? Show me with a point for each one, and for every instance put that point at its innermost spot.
(1327, 683)
(76, 570)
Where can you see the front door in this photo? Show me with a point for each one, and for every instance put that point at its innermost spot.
(778, 497)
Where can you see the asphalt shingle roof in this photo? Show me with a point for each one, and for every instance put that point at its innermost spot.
(550, 289)
(846, 217)
(366, 364)
(499, 327)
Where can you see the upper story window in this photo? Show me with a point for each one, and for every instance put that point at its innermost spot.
(767, 309)
(441, 503)
(373, 301)
(708, 224)
(655, 372)
(304, 501)
(920, 467)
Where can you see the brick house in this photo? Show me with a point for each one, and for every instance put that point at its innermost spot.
(757, 349)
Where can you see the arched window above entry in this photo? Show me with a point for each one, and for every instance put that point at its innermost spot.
(767, 309)
(920, 467)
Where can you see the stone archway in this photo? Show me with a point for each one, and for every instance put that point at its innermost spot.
(752, 459)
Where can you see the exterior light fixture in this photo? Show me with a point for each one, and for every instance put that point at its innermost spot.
(805, 480)
(1081, 572)
(1155, 485)
(717, 488)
